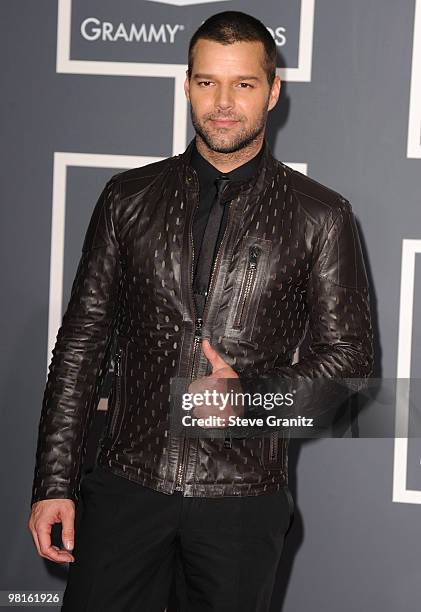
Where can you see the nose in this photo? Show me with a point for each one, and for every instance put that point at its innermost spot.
(224, 98)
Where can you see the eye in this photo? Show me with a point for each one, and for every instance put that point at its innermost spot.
(204, 83)
(247, 85)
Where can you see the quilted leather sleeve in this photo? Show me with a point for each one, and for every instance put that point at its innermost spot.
(340, 325)
(78, 364)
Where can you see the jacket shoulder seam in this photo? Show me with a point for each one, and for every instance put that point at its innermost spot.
(152, 176)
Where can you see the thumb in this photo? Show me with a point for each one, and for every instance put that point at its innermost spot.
(212, 355)
(68, 529)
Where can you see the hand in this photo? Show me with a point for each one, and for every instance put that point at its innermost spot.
(43, 515)
(215, 381)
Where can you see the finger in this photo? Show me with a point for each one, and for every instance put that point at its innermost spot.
(46, 548)
(68, 529)
(66, 557)
(36, 541)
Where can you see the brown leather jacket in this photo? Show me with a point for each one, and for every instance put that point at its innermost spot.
(290, 258)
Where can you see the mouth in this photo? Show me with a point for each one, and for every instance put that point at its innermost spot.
(224, 123)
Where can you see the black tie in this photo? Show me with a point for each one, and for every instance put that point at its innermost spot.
(207, 250)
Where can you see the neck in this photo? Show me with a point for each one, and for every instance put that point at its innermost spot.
(226, 162)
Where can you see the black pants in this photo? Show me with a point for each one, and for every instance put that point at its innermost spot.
(131, 540)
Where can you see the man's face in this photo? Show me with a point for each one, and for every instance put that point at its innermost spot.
(229, 94)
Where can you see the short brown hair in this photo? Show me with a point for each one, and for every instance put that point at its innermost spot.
(234, 26)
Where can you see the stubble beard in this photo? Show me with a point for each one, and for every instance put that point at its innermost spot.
(229, 144)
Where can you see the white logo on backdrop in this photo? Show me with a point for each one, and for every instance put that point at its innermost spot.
(414, 122)
(401, 493)
(302, 73)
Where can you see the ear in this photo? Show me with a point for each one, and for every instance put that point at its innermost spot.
(274, 92)
(187, 86)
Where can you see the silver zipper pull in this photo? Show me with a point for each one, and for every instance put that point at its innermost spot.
(254, 253)
(198, 327)
(117, 363)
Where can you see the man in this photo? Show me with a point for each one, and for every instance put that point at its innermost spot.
(285, 256)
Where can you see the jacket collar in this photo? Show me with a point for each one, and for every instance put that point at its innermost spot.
(207, 173)
(266, 169)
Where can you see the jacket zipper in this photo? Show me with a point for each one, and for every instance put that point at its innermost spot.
(198, 332)
(180, 466)
(273, 446)
(254, 253)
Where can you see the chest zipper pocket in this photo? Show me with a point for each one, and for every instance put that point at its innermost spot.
(253, 266)
(247, 287)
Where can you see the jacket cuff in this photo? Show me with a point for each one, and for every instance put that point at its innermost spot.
(53, 491)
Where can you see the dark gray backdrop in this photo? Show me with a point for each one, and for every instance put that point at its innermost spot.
(355, 543)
